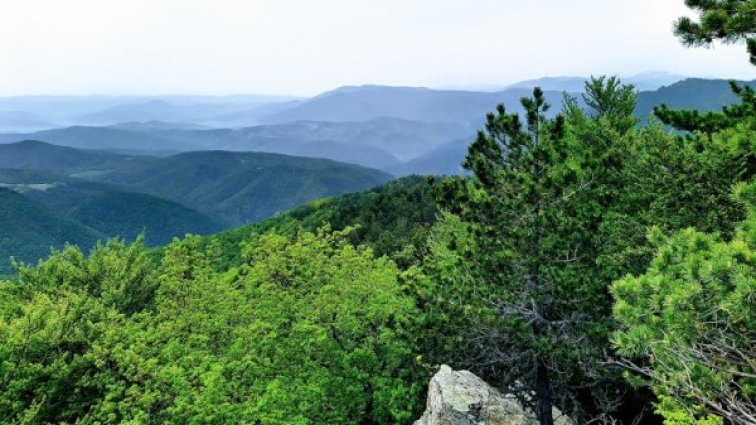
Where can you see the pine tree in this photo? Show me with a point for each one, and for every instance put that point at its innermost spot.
(708, 123)
(729, 21)
(689, 323)
(533, 207)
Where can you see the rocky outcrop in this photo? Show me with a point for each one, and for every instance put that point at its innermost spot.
(461, 398)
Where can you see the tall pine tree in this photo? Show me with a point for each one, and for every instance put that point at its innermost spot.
(534, 206)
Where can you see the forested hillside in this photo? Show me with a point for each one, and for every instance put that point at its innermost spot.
(393, 219)
(127, 215)
(36, 155)
(30, 231)
(114, 195)
(238, 187)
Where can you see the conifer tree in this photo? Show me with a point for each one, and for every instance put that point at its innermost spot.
(708, 123)
(689, 323)
(534, 212)
(729, 21)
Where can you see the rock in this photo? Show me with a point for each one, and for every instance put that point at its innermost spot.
(461, 398)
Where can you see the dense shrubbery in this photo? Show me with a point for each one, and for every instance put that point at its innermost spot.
(690, 320)
(308, 330)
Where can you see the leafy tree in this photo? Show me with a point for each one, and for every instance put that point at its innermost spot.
(690, 323)
(308, 330)
(329, 324)
(51, 320)
(729, 21)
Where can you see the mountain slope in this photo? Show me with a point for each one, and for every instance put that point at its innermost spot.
(126, 214)
(26, 113)
(36, 155)
(444, 160)
(692, 93)
(101, 138)
(243, 187)
(398, 137)
(376, 143)
(388, 218)
(108, 209)
(647, 81)
(28, 230)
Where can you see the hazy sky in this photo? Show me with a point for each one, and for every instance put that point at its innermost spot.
(303, 47)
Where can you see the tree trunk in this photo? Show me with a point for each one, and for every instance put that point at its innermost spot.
(543, 395)
(543, 383)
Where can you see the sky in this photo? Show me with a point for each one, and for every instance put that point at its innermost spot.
(304, 47)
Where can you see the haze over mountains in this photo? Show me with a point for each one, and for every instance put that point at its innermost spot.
(401, 130)
(92, 167)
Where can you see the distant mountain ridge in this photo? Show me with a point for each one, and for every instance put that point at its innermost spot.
(647, 81)
(378, 143)
(692, 93)
(45, 112)
(37, 155)
(242, 187)
(231, 187)
(364, 103)
(397, 129)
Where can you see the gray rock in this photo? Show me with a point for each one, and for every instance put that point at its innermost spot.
(461, 398)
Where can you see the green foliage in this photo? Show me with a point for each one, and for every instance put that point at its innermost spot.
(52, 321)
(455, 305)
(729, 21)
(691, 320)
(308, 330)
(693, 121)
(550, 219)
(534, 207)
(614, 102)
(393, 219)
(671, 183)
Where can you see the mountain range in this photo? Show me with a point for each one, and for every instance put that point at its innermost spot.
(401, 130)
(53, 194)
(175, 165)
